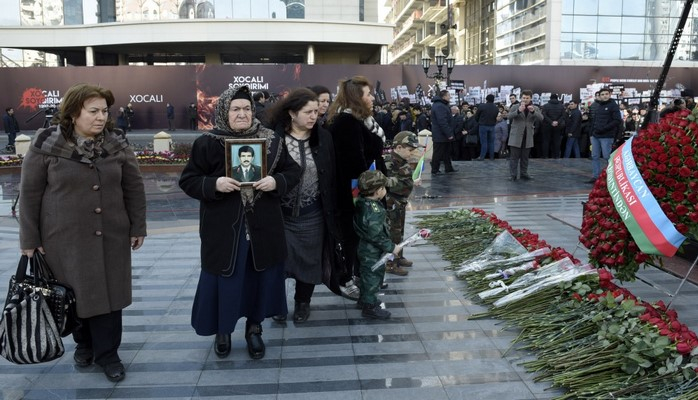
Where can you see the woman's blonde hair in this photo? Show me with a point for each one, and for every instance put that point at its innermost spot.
(351, 93)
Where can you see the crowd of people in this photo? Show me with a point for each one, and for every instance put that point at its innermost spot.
(324, 205)
(492, 130)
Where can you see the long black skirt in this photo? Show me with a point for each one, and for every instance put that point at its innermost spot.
(221, 301)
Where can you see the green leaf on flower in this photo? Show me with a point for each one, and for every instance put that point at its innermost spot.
(627, 304)
(630, 367)
(663, 341)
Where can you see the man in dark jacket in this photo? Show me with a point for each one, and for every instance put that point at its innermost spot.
(604, 127)
(193, 116)
(170, 117)
(573, 129)
(9, 121)
(259, 107)
(486, 117)
(553, 127)
(422, 121)
(441, 132)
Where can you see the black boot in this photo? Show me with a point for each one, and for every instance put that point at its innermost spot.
(221, 345)
(255, 344)
(374, 311)
(301, 312)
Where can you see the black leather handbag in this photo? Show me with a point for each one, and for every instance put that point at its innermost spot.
(59, 297)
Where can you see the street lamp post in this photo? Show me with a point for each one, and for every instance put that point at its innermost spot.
(439, 76)
(444, 54)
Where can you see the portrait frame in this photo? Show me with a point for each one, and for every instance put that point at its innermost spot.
(233, 169)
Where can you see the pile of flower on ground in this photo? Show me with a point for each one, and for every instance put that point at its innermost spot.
(666, 155)
(592, 338)
(148, 157)
(179, 155)
(10, 161)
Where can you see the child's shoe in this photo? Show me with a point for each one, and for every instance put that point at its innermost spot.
(403, 262)
(392, 267)
(374, 311)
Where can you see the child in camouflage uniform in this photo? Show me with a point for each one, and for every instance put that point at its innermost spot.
(400, 166)
(372, 229)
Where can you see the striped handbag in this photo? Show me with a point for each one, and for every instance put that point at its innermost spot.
(28, 331)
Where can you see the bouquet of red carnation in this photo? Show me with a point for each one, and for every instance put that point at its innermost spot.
(666, 156)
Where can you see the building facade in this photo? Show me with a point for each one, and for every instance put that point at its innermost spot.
(541, 32)
(177, 32)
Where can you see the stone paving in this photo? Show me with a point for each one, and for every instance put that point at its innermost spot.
(427, 350)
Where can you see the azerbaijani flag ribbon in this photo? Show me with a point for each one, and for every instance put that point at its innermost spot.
(420, 164)
(355, 183)
(651, 229)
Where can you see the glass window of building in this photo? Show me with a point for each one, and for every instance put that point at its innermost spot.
(608, 51)
(610, 24)
(587, 7)
(611, 7)
(633, 7)
(584, 23)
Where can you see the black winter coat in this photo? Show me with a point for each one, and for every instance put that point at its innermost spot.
(322, 148)
(222, 213)
(441, 121)
(355, 149)
(486, 114)
(606, 119)
(554, 110)
(574, 123)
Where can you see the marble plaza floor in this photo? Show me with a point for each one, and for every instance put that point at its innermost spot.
(427, 350)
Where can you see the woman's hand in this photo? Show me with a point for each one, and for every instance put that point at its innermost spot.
(227, 185)
(137, 242)
(397, 250)
(266, 184)
(30, 252)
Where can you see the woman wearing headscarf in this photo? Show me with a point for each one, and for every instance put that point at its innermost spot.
(358, 142)
(241, 228)
(82, 203)
(310, 206)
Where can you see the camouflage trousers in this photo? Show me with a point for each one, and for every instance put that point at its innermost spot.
(370, 281)
(396, 219)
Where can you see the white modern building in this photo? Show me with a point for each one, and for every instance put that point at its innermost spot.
(175, 32)
(541, 32)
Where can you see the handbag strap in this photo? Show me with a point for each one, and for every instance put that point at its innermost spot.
(39, 264)
(39, 271)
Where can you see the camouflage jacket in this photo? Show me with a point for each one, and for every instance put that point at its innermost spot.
(400, 183)
(371, 227)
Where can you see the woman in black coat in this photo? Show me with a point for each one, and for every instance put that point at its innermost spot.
(358, 143)
(309, 207)
(243, 244)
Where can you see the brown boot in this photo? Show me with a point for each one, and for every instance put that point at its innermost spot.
(391, 267)
(403, 262)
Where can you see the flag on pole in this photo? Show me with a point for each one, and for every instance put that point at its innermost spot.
(417, 174)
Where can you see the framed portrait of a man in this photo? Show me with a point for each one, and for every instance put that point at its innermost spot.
(246, 160)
